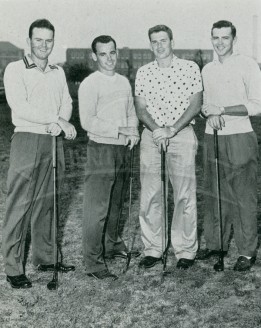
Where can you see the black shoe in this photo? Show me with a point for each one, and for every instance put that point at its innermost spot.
(184, 263)
(20, 281)
(244, 264)
(104, 274)
(149, 261)
(122, 254)
(206, 253)
(60, 267)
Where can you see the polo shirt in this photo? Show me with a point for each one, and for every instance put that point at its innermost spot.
(167, 90)
(36, 97)
(236, 81)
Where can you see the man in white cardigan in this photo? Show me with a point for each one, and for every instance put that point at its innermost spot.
(38, 96)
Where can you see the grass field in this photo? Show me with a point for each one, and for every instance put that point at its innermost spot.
(196, 298)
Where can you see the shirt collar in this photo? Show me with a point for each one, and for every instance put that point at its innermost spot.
(29, 64)
(173, 60)
(233, 55)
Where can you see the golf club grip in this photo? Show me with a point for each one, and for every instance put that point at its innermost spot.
(131, 162)
(216, 143)
(54, 147)
(163, 182)
(162, 164)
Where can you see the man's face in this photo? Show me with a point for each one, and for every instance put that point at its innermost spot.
(106, 57)
(223, 42)
(161, 45)
(41, 43)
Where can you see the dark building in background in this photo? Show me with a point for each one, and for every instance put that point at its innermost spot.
(130, 60)
(8, 53)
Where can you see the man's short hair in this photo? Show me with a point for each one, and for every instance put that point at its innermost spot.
(41, 23)
(160, 28)
(102, 39)
(224, 23)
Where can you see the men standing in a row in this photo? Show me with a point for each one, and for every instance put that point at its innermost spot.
(168, 96)
(38, 96)
(232, 87)
(107, 114)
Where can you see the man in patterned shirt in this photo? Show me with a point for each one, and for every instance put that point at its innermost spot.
(168, 96)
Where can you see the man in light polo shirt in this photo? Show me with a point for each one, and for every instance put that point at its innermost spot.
(168, 96)
(232, 88)
(38, 96)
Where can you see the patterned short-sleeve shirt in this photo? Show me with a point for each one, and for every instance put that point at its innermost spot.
(167, 90)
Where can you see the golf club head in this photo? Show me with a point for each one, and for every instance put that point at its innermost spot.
(52, 285)
(166, 273)
(128, 259)
(219, 266)
(163, 275)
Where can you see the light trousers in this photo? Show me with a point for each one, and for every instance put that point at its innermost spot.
(180, 166)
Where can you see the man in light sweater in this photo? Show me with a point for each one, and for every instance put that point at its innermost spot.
(107, 114)
(232, 87)
(38, 96)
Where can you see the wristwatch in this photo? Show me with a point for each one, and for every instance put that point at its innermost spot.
(222, 110)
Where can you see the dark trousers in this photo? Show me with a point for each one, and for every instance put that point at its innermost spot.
(238, 179)
(30, 199)
(106, 174)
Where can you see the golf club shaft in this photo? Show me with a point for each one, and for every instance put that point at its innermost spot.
(130, 203)
(218, 191)
(54, 283)
(164, 208)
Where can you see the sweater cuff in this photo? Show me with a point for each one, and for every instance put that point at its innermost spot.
(115, 132)
(56, 118)
(253, 109)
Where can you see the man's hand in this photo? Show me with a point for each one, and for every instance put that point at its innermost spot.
(68, 129)
(216, 122)
(209, 109)
(53, 129)
(163, 133)
(132, 141)
(129, 131)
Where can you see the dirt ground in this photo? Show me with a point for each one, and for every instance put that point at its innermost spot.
(196, 298)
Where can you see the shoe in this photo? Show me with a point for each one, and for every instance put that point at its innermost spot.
(244, 264)
(60, 267)
(206, 253)
(123, 254)
(20, 281)
(184, 263)
(103, 275)
(149, 261)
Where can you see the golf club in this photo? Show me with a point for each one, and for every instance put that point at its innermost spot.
(128, 259)
(164, 213)
(219, 266)
(53, 284)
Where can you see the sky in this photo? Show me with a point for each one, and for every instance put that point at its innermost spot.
(78, 22)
